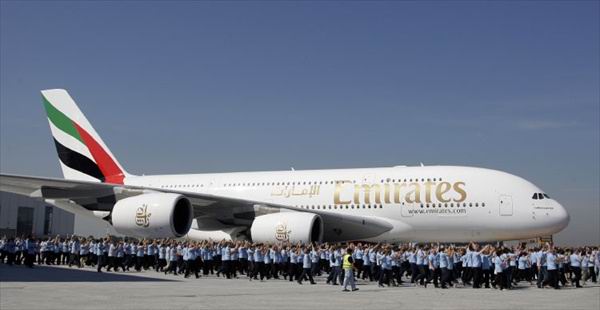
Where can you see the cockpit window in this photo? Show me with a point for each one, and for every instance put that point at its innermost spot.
(540, 196)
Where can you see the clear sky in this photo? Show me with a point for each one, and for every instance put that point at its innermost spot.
(185, 86)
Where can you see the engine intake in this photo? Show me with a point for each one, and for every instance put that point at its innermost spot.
(287, 226)
(156, 215)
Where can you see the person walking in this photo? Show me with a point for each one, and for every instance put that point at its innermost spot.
(348, 267)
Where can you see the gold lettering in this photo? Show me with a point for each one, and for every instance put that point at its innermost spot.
(460, 191)
(415, 192)
(386, 196)
(428, 185)
(441, 189)
(367, 190)
(397, 187)
(336, 196)
(356, 193)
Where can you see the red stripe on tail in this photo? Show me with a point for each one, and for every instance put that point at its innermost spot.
(110, 169)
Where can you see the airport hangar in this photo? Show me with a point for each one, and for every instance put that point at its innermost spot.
(22, 216)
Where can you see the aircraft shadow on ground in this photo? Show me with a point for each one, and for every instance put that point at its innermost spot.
(52, 274)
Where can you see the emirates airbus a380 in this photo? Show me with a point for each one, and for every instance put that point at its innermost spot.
(433, 203)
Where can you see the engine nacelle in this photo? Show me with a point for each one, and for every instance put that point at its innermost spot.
(287, 226)
(156, 215)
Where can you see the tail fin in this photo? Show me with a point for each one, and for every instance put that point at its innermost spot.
(82, 153)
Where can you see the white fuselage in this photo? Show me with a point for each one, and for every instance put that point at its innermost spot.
(433, 203)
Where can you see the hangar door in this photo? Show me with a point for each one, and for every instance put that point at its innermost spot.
(506, 205)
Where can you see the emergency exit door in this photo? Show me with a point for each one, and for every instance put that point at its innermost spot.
(506, 205)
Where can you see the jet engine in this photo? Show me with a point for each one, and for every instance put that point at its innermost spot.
(155, 215)
(287, 226)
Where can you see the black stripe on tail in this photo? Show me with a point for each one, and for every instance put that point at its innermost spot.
(78, 162)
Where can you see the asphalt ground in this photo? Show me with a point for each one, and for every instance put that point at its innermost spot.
(71, 288)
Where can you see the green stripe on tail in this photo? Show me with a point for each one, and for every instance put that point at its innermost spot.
(61, 121)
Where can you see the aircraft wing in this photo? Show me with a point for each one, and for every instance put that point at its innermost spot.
(83, 197)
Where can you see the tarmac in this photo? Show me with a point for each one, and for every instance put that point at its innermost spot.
(72, 288)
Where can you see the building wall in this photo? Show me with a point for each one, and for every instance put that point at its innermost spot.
(45, 218)
(62, 222)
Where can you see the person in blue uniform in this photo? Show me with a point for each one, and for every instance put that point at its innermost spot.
(100, 254)
(421, 262)
(306, 267)
(385, 274)
(552, 269)
(575, 259)
(499, 269)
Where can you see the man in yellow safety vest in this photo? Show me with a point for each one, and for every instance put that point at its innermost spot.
(348, 266)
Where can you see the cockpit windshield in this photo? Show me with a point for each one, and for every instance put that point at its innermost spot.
(537, 196)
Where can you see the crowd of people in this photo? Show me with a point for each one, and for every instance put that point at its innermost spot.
(444, 266)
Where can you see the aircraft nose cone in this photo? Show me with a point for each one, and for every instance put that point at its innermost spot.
(562, 216)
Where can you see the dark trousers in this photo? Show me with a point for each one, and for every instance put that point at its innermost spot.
(111, 263)
(552, 279)
(500, 280)
(466, 275)
(29, 258)
(292, 272)
(359, 263)
(139, 263)
(208, 267)
(414, 272)
(74, 260)
(190, 267)
(434, 274)
(577, 273)
(486, 277)
(259, 269)
(314, 269)
(385, 275)
(445, 277)
(172, 267)
(243, 265)
(10, 259)
(334, 275)
(100, 262)
(64, 258)
(542, 275)
(476, 277)
(306, 272)
(226, 268)
(422, 276)
(367, 272)
(375, 270)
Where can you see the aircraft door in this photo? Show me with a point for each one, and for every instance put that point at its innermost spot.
(506, 205)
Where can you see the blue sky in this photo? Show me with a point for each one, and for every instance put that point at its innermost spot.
(184, 86)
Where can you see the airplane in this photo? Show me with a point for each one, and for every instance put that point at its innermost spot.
(389, 204)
